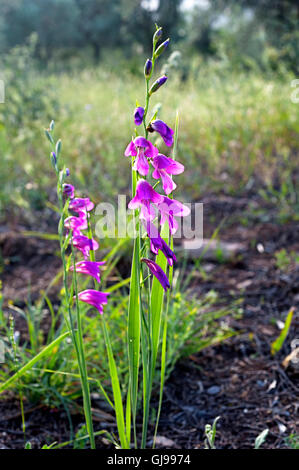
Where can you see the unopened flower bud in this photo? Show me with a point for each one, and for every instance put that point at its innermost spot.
(138, 115)
(53, 159)
(162, 48)
(157, 35)
(157, 84)
(68, 190)
(49, 136)
(148, 68)
(58, 147)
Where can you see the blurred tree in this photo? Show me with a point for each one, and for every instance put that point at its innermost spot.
(279, 20)
(204, 21)
(262, 31)
(54, 21)
(99, 24)
(137, 24)
(169, 16)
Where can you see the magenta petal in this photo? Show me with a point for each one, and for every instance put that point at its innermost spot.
(175, 168)
(150, 150)
(170, 208)
(141, 164)
(141, 142)
(134, 203)
(131, 150)
(95, 298)
(147, 212)
(157, 272)
(145, 195)
(145, 191)
(84, 244)
(161, 162)
(92, 268)
(81, 204)
(174, 207)
(167, 183)
(75, 223)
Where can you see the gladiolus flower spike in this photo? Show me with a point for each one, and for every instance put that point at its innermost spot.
(75, 227)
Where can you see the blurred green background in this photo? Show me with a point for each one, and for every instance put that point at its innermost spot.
(80, 62)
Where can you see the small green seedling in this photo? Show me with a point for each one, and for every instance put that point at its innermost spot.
(261, 439)
(210, 433)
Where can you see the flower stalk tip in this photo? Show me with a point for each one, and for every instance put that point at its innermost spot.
(157, 35)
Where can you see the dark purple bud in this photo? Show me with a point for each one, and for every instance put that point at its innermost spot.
(138, 115)
(67, 172)
(157, 84)
(148, 68)
(157, 272)
(68, 190)
(165, 131)
(162, 48)
(157, 35)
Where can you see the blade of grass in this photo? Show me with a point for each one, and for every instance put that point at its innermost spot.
(278, 343)
(33, 361)
(118, 405)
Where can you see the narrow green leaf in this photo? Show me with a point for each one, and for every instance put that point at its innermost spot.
(128, 416)
(118, 405)
(278, 343)
(33, 361)
(44, 236)
(261, 438)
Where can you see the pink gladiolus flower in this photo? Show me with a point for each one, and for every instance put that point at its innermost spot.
(170, 208)
(76, 224)
(81, 203)
(95, 298)
(145, 195)
(165, 166)
(92, 268)
(142, 149)
(84, 244)
(157, 272)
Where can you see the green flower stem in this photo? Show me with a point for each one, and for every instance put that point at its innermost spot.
(134, 319)
(146, 338)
